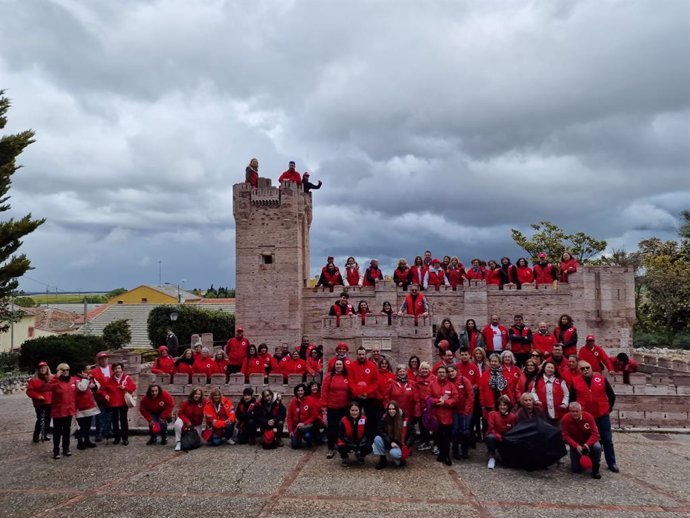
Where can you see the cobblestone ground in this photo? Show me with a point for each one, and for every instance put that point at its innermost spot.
(153, 481)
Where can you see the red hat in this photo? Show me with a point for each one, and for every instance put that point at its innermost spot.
(162, 348)
(239, 329)
(435, 261)
(102, 354)
(342, 345)
(42, 364)
(590, 338)
(542, 255)
(585, 462)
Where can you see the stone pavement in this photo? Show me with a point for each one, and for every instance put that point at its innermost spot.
(153, 481)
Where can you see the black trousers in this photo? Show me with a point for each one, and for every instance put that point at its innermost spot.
(42, 421)
(333, 416)
(360, 451)
(373, 413)
(442, 437)
(84, 428)
(246, 431)
(61, 431)
(120, 426)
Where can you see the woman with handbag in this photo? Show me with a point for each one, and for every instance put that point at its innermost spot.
(118, 390)
(86, 407)
(156, 407)
(41, 398)
(190, 418)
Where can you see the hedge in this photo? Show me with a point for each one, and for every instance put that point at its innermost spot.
(76, 350)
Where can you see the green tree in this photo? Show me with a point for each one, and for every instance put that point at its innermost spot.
(25, 302)
(115, 293)
(190, 320)
(684, 230)
(553, 241)
(12, 231)
(117, 334)
(73, 349)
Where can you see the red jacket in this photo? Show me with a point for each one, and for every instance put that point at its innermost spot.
(422, 384)
(579, 433)
(236, 349)
(455, 276)
(465, 402)
(596, 357)
(592, 397)
(290, 176)
(218, 367)
(486, 394)
(37, 388)
(185, 368)
(203, 365)
(163, 365)
(335, 392)
(493, 276)
(544, 274)
(270, 363)
(470, 371)
(404, 394)
(385, 379)
(402, 276)
(162, 405)
(191, 414)
(488, 335)
(555, 405)
(619, 366)
(448, 390)
(563, 371)
(314, 366)
(565, 269)
(543, 343)
(115, 391)
(520, 339)
(376, 274)
(364, 379)
(306, 411)
(64, 397)
(568, 337)
(219, 418)
(253, 365)
(476, 273)
(85, 399)
(346, 361)
(513, 374)
(289, 366)
(437, 278)
(352, 275)
(500, 424)
(420, 276)
(98, 375)
(415, 308)
(438, 364)
(525, 274)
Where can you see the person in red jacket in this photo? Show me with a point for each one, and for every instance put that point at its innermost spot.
(402, 391)
(448, 359)
(291, 175)
(252, 363)
(551, 392)
(236, 349)
(330, 276)
(493, 273)
(269, 361)
(86, 406)
(529, 376)
(292, 364)
(204, 364)
(351, 436)
(363, 375)
(64, 407)
(114, 389)
(342, 307)
(580, 432)
(495, 336)
(494, 384)
(386, 376)
(402, 275)
(501, 421)
(341, 351)
(335, 396)
(544, 271)
(566, 334)
(467, 368)
(525, 274)
(270, 417)
(512, 372)
(302, 415)
(595, 394)
(543, 341)
(415, 304)
(413, 364)
(251, 173)
(372, 274)
(185, 363)
(164, 364)
(156, 407)
(219, 415)
(624, 365)
(422, 382)
(190, 415)
(477, 271)
(444, 397)
(520, 337)
(220, 363)
(462, 413)
(352, 277)
(567, 267)
(437, 277)
(41, 398)
(419, 273)
(314, 363)
(595, 355)
(102, 372)
(455, 273)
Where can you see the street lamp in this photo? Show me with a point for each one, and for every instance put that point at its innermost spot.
(173, 316)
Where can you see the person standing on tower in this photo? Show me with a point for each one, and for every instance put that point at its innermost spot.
(251, 173)
(291, 175)
(308, 186)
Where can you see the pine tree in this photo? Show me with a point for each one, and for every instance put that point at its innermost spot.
(12, 231)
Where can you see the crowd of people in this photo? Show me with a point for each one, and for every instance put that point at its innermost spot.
(290, 176)
(485, 382)
(432, 273)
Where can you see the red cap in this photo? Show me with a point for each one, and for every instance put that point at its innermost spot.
(590, 338)
(435, 261)
(102, 354)
(42, 364)
(585, 462)
(542, 255)
(239, 328)
(342, 345)
(162, 348)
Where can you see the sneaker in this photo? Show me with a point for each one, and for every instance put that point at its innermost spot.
(56, 456)
(491, 464)
(435, 451)
(231, 442)
(178, 446)
(424, 447)
(596, 475)
(330, 454)
(36, 439)
(67, 453)
(614, 468)
(382, 463)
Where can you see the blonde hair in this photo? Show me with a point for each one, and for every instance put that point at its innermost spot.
(62, 367)
(425, 365)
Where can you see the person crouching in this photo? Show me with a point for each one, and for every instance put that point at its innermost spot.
(351, 436)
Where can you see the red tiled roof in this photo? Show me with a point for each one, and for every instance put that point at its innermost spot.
(91, 314)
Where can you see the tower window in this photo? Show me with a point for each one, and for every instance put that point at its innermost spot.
(266, 259)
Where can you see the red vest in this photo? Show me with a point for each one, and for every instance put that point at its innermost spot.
(347, 425)
(543, 343)
(557, 392)
(374, 274)
(416, 308)
(419, 273)
(517, 347)
(455, 275)
(401, 275)
(332, 277)
(543, 274)
(352, 275)
(493, 276)
(566, 269)
(564, 338)
(436, 278)
(593, 397)
(478, 273)
(525, 274)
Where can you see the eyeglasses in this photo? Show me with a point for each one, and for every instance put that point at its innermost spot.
(585, 368)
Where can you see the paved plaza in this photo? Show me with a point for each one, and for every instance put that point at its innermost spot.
(154, 481)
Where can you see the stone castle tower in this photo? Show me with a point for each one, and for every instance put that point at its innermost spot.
(272, 260)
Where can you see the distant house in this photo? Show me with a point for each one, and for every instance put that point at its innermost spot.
(37, 322)
(147, 294)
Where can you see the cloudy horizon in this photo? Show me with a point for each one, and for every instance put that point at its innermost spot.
(435, 125)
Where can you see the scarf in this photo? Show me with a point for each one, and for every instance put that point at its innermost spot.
(402, 379)
(497, 380)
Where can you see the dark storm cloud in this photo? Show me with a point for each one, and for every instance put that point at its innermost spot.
(439, 125)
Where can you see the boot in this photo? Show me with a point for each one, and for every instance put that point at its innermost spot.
(152, 440)
(164, 440)
(456, 451)
(80, 444)
(89, 444)
(382, 463)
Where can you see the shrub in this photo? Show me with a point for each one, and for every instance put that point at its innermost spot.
(76, 350)
(25, 302)
(117, 334)
(9, 362)
(190, 320)
(681, 340)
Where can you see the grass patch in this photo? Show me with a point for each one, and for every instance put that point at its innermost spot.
(69, 298)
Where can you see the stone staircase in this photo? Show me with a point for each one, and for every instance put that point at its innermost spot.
(137, 314)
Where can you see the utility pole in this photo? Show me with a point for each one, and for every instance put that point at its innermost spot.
(160, 276)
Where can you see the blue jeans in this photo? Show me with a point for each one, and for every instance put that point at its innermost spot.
(310, 435)
(606, 438)
(594, 454)
(491, 443)
(461, 426)
(380, 449)
(225, 434)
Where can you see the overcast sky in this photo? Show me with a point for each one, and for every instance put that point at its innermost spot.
(433, 125)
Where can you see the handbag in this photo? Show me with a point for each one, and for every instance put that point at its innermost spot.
(428, 418)
(190, 440)
(130, 400)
